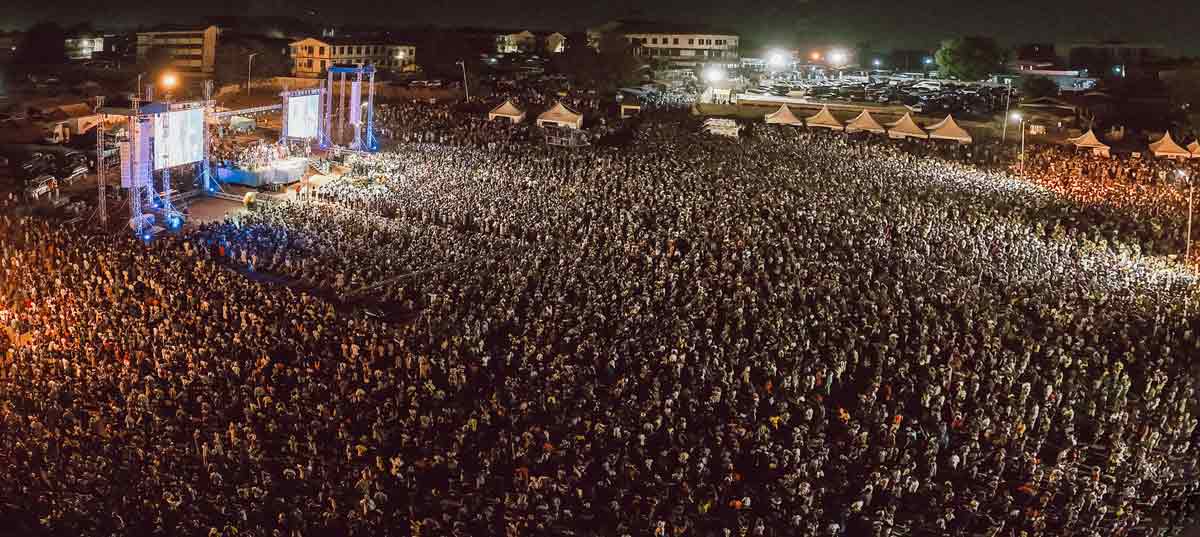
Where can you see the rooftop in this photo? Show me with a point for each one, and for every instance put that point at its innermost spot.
(659, 27)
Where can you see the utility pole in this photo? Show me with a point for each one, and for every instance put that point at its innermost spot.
(101, 201)
(249, 66)
(466, 87)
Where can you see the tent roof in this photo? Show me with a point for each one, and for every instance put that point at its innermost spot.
(825, 119)
(1166, 146)
(865, 122)
(1194, 148)
(783, 116)
(1087, 139)
(948, 129)
(905, 126)
(508, 109)
(560, 113)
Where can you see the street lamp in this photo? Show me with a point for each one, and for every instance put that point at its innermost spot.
(777, 60)
(249, 65)
(1016, 116)
(837, 57)
(466, 87)
(1007, 102)
(876, 62)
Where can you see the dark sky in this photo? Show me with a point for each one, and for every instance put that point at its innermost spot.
(886, 23)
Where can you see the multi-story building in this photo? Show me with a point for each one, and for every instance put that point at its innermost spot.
(313, 55)
(82, 48)
(517, 42)
(192, 52)
(679, 44)
(1112, 58)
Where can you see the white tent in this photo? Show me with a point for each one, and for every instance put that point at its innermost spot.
(1166, 147)
(948, 129)
(824, 119)
(507, 110)
(906, 128)
(1194, 149)
(560, 116)
(1088, 140)
(783, 116)
(865, 122)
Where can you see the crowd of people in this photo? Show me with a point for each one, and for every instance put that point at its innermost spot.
(788, 334)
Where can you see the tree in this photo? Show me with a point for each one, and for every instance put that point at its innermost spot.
(578, 60)
(970, 58)
(1183, 86)
(156, 61)
(44, 43)
(618, 64)
(1038, 86)
(233, 58)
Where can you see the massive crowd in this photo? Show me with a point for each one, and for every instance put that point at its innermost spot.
(786, 334)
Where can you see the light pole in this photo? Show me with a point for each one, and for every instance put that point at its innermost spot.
(1187, 256)
(466, 87)
(249, 65)
(1016, 116)
(1007, 102)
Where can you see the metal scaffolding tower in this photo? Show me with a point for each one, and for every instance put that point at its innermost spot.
(352, 96)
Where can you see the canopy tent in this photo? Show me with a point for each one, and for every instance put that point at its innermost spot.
(865, 123)
(783, 116)
(561, 116)
(906, 128)
(1088, 140)
(824, 119)
(1194, 149)
(722, 127)
(507, 110)
(1166, 147)
(948, 129)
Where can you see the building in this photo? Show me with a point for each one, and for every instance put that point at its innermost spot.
(679, 44)
(516, 43)
(82, 48)
(1112, 58)
(556, 43)
(312, 56)
(192, 52)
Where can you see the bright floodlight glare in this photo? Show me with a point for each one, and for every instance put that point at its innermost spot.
(713, 74)
(169, 80)
(877, 62)
(1016, 116)
(837, 56)
(816, 56)
(928, 61)
(776, 59)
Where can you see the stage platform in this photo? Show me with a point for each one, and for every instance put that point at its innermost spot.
(281, 172)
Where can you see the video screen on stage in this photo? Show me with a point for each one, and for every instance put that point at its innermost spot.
(303, 116)
(178, 138)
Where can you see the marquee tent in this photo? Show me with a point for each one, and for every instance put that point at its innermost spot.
(1166, 147)
(1088, 140)
(507, 110)
(865, 122)
(783, 116)
(1194, 149)
(560, 116)
(906, 128)
(948, 129)
(824, 119)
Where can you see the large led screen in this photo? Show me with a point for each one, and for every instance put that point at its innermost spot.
(178, 138)
(303, 116)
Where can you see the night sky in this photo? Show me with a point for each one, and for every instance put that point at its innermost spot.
(885, 23)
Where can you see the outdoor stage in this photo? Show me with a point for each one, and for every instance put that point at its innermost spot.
(280, 172)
